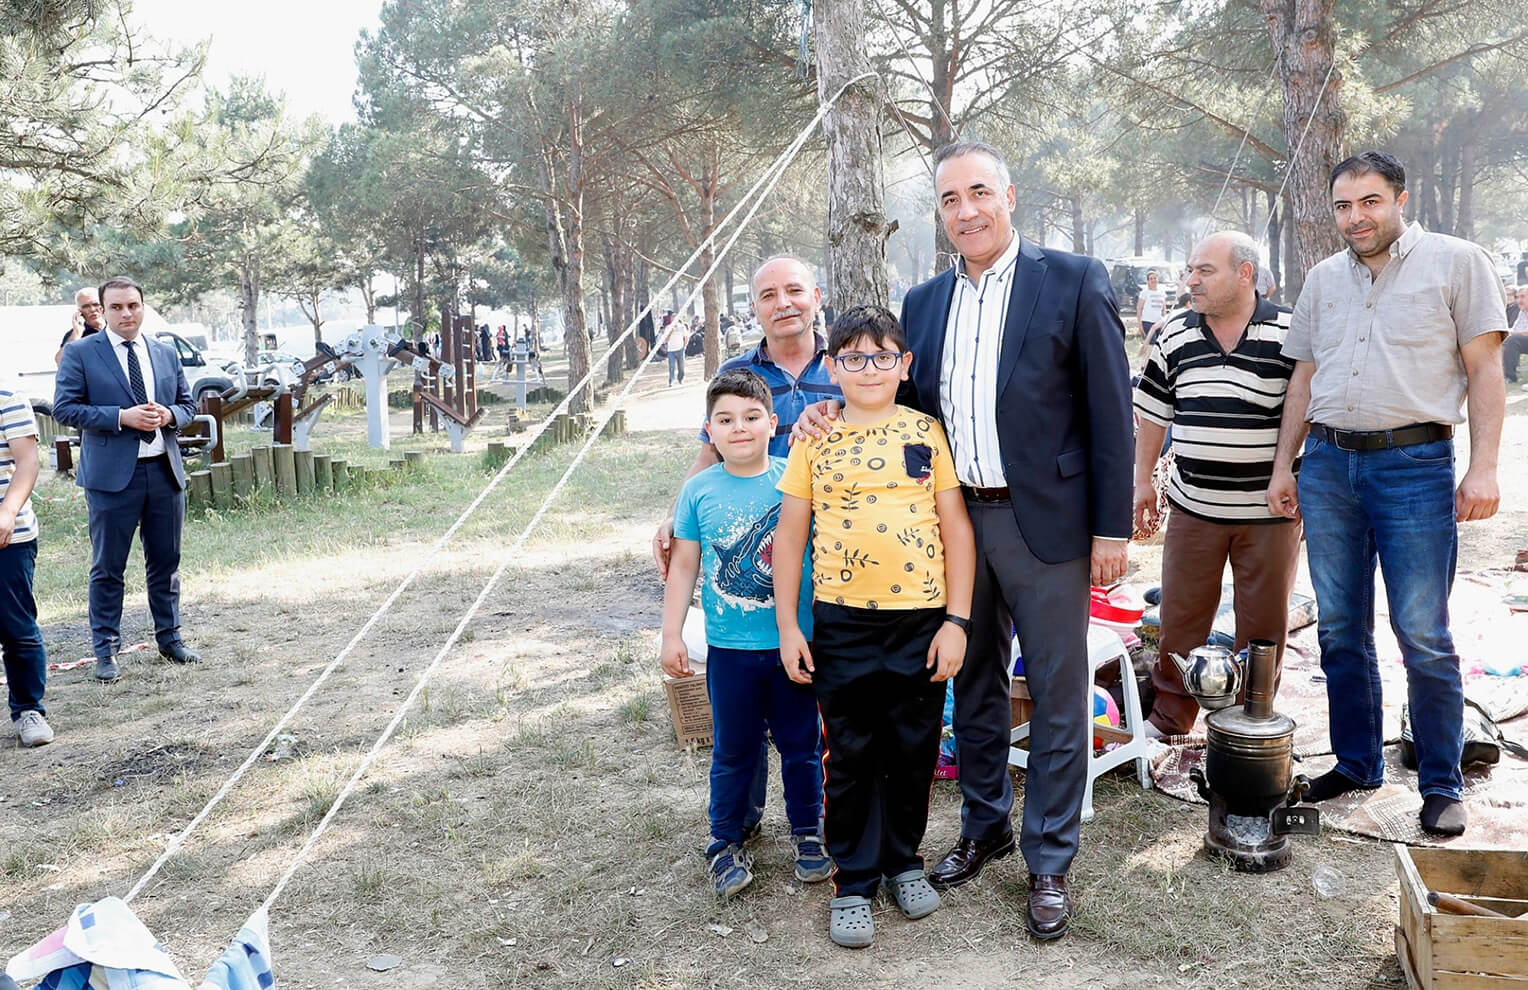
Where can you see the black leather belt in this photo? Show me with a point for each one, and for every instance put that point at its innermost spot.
(1403, 436)
(987, 494)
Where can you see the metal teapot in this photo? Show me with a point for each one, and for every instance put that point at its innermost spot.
(1212, 674)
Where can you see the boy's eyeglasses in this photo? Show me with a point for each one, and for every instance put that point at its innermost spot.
(855, 361)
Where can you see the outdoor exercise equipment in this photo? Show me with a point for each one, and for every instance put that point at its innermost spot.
(446, 385)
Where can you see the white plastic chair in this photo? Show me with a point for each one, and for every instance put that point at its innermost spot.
(1104, 647)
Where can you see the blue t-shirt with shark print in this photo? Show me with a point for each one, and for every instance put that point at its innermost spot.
(733, 519)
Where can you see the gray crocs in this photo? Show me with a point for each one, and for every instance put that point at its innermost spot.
(913, 894)
(849, 922)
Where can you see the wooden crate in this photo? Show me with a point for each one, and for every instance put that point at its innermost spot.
(1440, 951)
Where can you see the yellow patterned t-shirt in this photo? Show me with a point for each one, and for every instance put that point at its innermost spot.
(875, 540)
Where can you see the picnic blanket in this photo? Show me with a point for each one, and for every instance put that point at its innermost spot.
(104, 946)
(1488, 636)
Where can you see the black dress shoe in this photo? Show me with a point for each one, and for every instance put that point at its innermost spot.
(106, 669)
(1050, 907)
(966, 860)
(179, 652)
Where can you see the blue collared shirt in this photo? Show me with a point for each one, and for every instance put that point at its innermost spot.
(789, 394)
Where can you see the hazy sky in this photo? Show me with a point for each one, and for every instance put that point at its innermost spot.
(305, 48)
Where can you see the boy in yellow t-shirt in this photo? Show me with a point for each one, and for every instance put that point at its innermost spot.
(893, 563)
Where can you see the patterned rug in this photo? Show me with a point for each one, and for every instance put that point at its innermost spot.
(1488, 636)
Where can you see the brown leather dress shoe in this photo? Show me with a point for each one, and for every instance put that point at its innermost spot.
(1050, 907)
(966, 860)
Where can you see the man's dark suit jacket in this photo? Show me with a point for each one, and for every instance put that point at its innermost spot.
(90, 390)
(1063, 401)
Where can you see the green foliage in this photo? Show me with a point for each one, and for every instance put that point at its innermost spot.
(81, 88)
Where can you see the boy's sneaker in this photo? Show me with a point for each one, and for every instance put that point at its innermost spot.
(731, 871)
(33, 729)
(812, 861)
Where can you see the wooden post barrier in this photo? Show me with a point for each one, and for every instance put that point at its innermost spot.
(63, 455)
(304, 466)
(341, 471)
(282, 402)
(243, 469)
(323, 474)
(286, 469)
(222, 485)
(212, 405)
(265, 467)
(413, 459)
(396, 465)
(199, 490)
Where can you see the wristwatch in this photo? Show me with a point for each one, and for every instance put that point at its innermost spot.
(960, 621)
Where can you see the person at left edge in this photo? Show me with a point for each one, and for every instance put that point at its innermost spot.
(128, 396)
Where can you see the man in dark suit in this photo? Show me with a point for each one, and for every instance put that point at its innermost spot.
(1017, 350)
(128, 396)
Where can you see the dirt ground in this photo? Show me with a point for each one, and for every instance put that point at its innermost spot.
(533, 823)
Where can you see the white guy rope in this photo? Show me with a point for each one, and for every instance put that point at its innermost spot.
(1236, 159)
(1290, 170)
(175, 844)
(513, 552)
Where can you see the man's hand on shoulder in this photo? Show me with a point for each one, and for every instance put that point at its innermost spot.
(1478, 496)
(816, 421)
(1109, 560)
(663, 542)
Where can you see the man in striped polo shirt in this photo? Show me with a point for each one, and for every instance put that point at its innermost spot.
(1217, 376)
(26, 662)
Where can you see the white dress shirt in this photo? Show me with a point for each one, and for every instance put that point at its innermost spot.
(973, 342)
(146, 366)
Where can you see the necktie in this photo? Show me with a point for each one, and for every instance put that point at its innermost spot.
(135, 382)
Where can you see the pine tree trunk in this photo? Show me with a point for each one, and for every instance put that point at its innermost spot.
(857, 226)
(710, 180)
(249, 307)
(1302, 35)
(1464, 220)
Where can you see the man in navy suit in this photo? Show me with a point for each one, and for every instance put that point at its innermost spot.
(1018, 351)
(128, 396)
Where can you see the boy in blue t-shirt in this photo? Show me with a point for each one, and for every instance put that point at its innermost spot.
(725, 520)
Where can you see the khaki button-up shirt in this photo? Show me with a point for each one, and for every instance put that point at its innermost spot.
(1386, 349)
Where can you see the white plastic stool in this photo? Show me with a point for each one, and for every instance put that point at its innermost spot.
(1104, 646)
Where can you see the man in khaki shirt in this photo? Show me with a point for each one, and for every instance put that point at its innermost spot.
(1390, 338)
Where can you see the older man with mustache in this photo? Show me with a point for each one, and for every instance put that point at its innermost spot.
(792, 360)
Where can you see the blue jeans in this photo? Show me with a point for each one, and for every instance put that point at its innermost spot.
(1395, 505)
(26, 662)
(676, 365)
(748, 687)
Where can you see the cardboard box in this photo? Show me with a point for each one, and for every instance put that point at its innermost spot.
(689, 707)
(1454, 952)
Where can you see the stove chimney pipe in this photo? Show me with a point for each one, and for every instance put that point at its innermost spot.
(1261, 668)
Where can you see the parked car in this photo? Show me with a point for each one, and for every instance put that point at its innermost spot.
(202, 378)
(1127, 276)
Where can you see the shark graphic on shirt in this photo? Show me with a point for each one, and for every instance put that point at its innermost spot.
(745, 568)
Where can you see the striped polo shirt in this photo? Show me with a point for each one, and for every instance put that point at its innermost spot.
(788, 394)
(1224, 410)
(16, 421)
